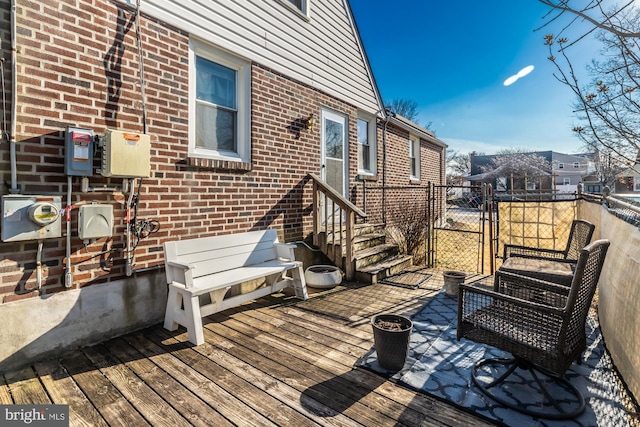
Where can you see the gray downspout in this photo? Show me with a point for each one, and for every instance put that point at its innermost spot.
(387, 116)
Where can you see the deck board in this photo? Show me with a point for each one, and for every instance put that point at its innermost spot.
(25, 387)
(63, 390)
(106, 398)
(272, 362)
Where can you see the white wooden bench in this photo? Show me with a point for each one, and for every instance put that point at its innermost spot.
(213, 264)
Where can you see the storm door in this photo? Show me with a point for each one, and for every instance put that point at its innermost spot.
(334, 153)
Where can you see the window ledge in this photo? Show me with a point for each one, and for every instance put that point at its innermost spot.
(218, 164)
(363, 176)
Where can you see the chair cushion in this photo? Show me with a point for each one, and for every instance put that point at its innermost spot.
(543, 269)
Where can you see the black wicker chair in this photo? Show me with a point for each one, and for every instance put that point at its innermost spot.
(548, 264)
(545, 335)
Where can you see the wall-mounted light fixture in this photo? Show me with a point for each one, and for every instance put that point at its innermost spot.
(310, 122)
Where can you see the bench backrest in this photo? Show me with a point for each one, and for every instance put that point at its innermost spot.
(220, 253)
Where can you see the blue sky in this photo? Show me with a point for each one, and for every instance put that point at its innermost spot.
(452, 58)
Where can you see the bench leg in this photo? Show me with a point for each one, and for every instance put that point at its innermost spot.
(299, 283)
(193, 320)
(174, 300)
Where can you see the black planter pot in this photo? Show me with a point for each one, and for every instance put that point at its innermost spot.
(391, 345)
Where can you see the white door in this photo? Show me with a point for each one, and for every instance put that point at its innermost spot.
(334, 154)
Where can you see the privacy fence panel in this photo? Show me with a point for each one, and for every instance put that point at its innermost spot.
(542, 223)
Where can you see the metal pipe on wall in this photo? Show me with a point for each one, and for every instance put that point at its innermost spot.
(14, 108)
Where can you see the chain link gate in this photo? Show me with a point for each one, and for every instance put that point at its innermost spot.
(461, 229)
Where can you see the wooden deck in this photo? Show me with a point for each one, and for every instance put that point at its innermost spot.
(273, 362)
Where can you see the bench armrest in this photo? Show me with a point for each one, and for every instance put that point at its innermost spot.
(179, 272)
(285, 251)
(179, 265)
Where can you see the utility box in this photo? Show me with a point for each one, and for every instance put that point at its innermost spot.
(95, 221)
(78, 152)
(126, 155)
(30, 217)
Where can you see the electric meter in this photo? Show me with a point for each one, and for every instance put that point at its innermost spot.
(43, 213)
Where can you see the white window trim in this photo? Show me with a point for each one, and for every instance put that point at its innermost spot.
(576, 165)
(243, 98)
(566, 181)
(416, 151)
(304, 13)
(373, 146)
(636, 183)
(560, 165)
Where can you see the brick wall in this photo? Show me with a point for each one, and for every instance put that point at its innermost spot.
(78, 66)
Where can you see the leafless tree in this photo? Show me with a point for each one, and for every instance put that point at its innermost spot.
(519, 166)
(408, 228)
(608, 105)
(458, 166)
(407, 108)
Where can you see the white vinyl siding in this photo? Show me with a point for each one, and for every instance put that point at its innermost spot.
(322, 51)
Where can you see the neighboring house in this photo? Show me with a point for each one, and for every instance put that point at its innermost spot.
(243, 99)
(567, 170)
(628, 181)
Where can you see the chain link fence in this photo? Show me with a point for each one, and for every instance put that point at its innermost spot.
(458, 238)
(466, 227)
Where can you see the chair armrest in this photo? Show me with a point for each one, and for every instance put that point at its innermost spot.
(470, 293)
(526, 251)
(285, 251)
(490, 316)
(531, 289)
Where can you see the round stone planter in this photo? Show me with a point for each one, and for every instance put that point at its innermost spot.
(323, 276)
(452, 280)
(391, 334)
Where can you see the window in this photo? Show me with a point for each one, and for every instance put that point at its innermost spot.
(299, 5)
(219, 125)
(366, 144)
(560, 165)
(636, 185)
(414, 157)
(566, 181)
(576, 165)
(531, 184)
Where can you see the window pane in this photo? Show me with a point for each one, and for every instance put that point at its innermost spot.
(363, 132)
(333, 133)
(215, 83)
(364, 158)
(215, 128)
(297, 3)
(364, 161)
